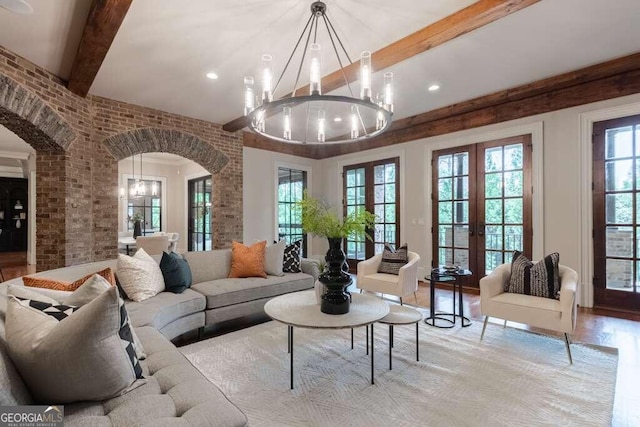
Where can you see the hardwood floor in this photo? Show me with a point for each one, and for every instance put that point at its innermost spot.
(595, 326)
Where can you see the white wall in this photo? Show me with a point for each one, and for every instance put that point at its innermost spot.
(259, 190)
(563, 200)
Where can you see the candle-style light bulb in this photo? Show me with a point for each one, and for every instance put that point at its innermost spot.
(380, 122)
(321, 126)
(365, 75)
(267, 79)
(355, 132)
(249, 96)
(388, 91)
(286, 114)
(314, 70)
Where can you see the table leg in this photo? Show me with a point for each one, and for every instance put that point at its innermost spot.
(390, 346)
(351, 338)
(288, 339)
(432, 302)
(372, 381)
(127, 249)
(291, 354)
(367, 328)
(461, 307)
(417, 344)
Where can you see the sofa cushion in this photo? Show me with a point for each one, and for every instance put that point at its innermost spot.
(175, 394)
(225, 292)
(541, 279)
(89, 350)
(292, 257)
(209, 265)
(164, 308)
(140, 276)
(13, 390)
(60, 285)
(273, 257)
(247, 261)
(176, 272)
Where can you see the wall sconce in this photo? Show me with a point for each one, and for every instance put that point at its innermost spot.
(121, 192)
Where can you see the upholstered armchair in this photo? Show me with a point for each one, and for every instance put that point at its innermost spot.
(405, 283)
(153, 245)
(546, 313)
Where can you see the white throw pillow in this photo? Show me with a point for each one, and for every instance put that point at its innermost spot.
(66, 354)
(273, 256)
(140, 276)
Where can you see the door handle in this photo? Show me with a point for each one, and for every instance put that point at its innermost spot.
(481, 229)
(471, 231)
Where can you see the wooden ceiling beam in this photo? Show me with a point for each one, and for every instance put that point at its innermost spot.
(105, 18)
(477, 15)
(607, 80)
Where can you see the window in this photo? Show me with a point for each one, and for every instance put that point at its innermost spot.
(199, 238)
(373, 186)
(148, 206)
(291, 186)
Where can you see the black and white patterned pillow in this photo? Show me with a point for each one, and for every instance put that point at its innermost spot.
(61, 312)
(291, 259)
(541, 279)
(393, 260)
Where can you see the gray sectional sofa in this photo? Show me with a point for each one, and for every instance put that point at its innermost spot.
(176, 393)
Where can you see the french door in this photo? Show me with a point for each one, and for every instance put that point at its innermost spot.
(482, 204)
(199, 238)
(616, 213)
(375, 187)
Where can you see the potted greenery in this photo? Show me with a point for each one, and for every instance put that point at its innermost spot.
(320, 219)
(136, 219)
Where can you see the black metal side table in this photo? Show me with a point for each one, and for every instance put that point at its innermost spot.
(455, 278)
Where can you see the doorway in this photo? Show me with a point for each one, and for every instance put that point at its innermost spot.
(616, 213)
(482, 204)
(199, 221)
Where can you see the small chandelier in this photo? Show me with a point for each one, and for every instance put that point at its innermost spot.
(138, 189)
(316, 118)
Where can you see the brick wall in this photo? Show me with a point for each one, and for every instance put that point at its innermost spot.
(76, 175)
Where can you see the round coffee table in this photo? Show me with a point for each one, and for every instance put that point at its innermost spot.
(301, 310)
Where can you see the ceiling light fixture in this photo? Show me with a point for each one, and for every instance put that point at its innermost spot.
(212, 76)
(301, 118)
(434, 88)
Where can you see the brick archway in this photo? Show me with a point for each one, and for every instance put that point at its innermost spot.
(27, 115)
(151, 140)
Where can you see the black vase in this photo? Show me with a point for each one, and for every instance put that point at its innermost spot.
(137, 229)
(335, 300)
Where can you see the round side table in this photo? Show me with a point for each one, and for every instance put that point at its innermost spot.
(401, 315)
(454, 277)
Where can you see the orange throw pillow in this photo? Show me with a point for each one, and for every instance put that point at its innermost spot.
(59, 285)
(248, 261)
(107, 273)
(43, 282)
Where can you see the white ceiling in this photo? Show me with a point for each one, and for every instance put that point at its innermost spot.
(164, 48)
(10, 142)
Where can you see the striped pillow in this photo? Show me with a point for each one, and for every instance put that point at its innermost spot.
(59, 285)
(393, 260)
(541, 279)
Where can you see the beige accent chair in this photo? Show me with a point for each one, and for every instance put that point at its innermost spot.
(153, 245)
(545, 313)
(173, 244)
(405, 283)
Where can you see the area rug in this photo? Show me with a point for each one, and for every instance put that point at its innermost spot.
(513, 377)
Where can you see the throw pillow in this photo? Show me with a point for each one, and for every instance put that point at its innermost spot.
(140, 276)
(541, 279)
(273, 258)
(60, 285)
(66, 354)
(176, 272)
(292, 255)
(393, 260)
(247, 261)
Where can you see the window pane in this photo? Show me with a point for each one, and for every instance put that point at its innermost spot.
(619, 241)
(493, 159)
(513, 184)
(619, 208)
(493, 185)
(618, 143)
(493, 211)
(513, 157)
(445, 212)
(513, 238)
(513, 211)
(461, 164)
(461, 188)
(378, 174)
(618, 175)
(390, 173)
(445, 166)
(619, 274)
(445, 236)
(493, 237)
(461, 236)
(445, 188)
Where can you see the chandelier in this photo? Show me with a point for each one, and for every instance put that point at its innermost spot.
(315, 118)
(138, 189)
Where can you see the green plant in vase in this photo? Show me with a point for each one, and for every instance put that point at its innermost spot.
(136, 220)
(320, 219)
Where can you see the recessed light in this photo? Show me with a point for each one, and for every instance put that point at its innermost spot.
(337, 119)
(212, 76)
(434, 88)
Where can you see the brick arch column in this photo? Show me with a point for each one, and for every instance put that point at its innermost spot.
(227, 179)
(153, 140)
(27, 115)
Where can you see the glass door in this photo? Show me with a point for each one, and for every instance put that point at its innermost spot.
(482, 204)
(616, 213)
(199, 233)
